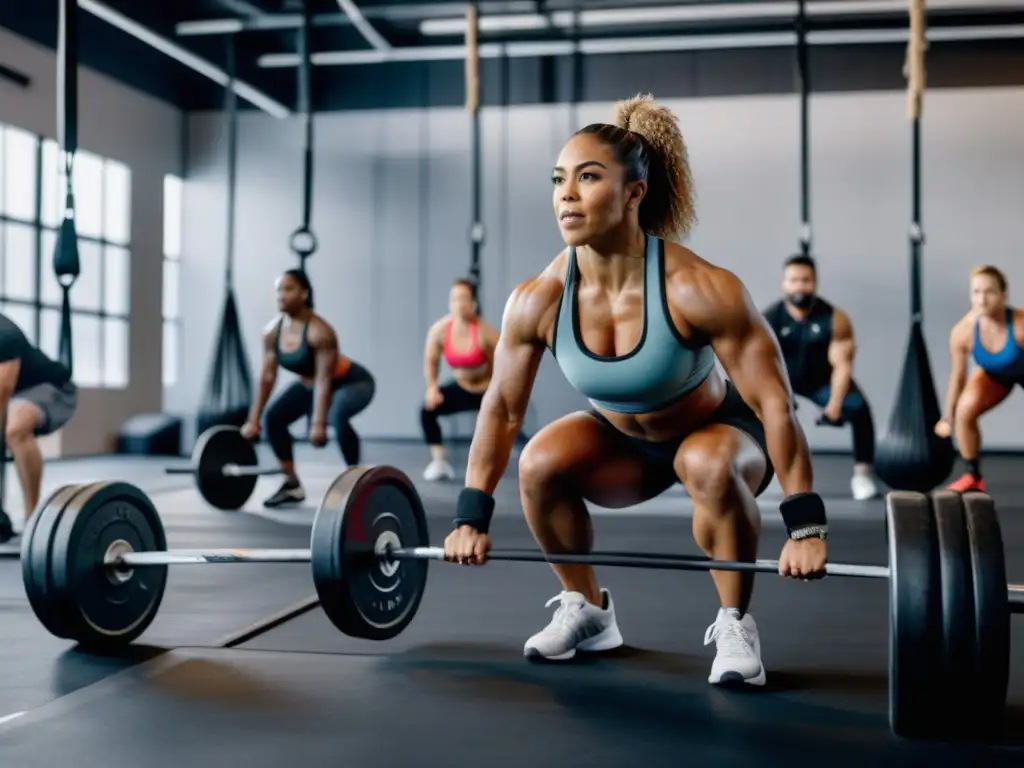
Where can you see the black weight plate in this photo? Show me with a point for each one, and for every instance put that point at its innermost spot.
(957, 613)
(991, 662)
(36, 546)
(915, 614)
(216, 448)
(364, 509)
(104, 609)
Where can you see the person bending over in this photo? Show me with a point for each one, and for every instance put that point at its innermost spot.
(38, 398)
(818, 346)
(466, 342)
(331, 386)
(993, 334)
(635, 323)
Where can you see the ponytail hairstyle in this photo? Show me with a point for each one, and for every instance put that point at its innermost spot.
(303, 279)
(647, 142)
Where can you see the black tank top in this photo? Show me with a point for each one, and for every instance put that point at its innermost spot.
(804, 343)
(36, 367)
(302, 359)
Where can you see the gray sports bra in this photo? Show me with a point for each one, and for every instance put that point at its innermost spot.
(662, 368)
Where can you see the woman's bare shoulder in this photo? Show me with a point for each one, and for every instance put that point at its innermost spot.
(534, 301)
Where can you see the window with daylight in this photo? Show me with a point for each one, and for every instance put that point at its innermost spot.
(173, 189)
(31, 209)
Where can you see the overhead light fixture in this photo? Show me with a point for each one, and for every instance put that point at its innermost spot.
(640, 45)
(209, 27)
(615, 17)
(145, 35)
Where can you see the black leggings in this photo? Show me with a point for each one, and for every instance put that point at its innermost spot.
(352, 393)
(456, 400)
(856, 412)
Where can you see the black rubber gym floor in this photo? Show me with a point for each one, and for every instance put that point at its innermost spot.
(454, 688)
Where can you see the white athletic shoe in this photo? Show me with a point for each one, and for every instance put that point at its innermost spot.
(439, 469)
(863, 487)
(738, 659)
(576, 626)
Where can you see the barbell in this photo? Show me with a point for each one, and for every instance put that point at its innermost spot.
(225, 466)
(94, 561)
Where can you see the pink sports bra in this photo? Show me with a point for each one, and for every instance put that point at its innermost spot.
(473, 357)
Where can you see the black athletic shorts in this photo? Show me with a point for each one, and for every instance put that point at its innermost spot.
(733, 411)
(1007, 381)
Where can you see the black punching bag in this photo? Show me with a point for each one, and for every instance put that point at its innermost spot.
(911, 457)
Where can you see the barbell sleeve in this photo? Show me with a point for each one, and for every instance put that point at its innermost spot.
(655, 561)
(1015, 597)
(209, 556)
(230, 470)
(235, 470)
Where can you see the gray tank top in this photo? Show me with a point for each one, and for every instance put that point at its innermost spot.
(662, 368)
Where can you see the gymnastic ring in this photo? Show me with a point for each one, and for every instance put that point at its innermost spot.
(303, 242)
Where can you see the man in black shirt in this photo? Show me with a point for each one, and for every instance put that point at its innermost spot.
(39, 398)
(818, 346)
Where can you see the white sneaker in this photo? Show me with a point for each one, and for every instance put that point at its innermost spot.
(863, 487)
(577, 626)
(739, 650)
(439, 469)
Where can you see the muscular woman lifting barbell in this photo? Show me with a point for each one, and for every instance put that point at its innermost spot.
(993, 334)
(635, 323)
(331, 385)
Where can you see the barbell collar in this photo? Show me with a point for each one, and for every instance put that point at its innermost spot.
(658, 562)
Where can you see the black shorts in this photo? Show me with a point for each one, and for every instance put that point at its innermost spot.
(733, 412)
(56, 404)
(1006, 381)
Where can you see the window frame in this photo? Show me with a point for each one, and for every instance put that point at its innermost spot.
(171, 317)
(44, 261)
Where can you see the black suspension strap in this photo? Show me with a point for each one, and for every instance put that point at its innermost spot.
(228, 391)
(66, 265)
(578, 81)
(231, 115)
(914, 70)
(476, 228)
(303, 242)
(804, 76)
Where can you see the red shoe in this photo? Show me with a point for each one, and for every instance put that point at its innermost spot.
(967, 483)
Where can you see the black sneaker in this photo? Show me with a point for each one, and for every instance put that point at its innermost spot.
(290, 492)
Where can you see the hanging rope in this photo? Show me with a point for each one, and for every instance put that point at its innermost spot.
(66, 265)
(302, 241)
(913, 67)
(472, 60)
(804, 74)
(228, 390)
(476, 229)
